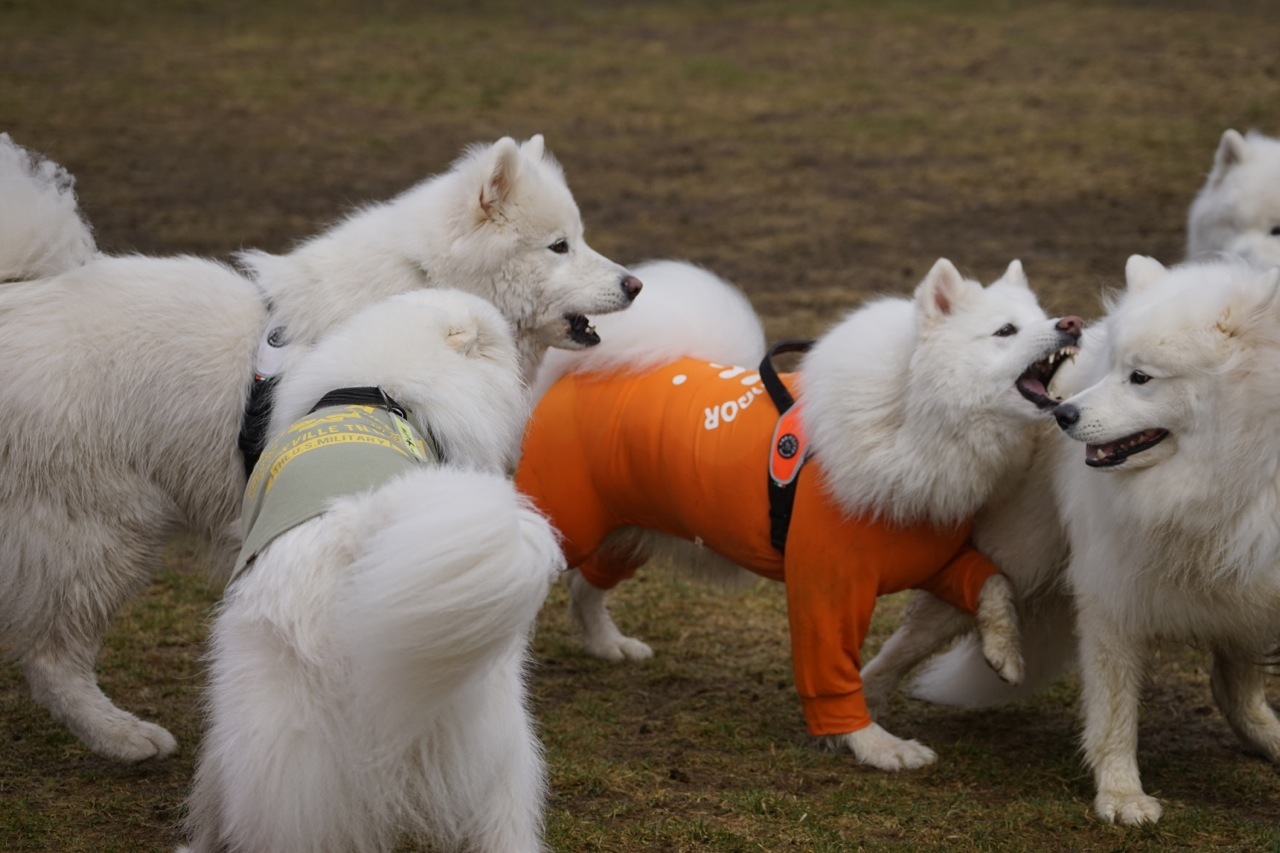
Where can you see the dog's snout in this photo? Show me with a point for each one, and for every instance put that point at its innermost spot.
(1066, 415)
(1073, 326)
(631, 287)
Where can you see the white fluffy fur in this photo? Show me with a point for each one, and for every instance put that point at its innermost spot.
(1238, 209)
(41, 232)
(909, 402)
(366, 672)
(686, 311)
(125, 381)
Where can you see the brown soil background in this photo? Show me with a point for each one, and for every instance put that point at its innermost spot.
(816, 153)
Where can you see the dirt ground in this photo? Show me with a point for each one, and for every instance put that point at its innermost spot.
(815, 153)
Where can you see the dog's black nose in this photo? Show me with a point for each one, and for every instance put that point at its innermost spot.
(1066, 415)
(1073, 326)
(631, 286)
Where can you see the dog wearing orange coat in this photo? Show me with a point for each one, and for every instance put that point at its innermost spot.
(909, 415)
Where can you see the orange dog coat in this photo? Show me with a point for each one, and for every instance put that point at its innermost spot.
(684, 450)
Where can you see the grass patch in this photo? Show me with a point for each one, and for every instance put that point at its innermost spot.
(815, 152)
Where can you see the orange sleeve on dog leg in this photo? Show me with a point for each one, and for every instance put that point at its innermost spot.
(606, 569)
(831, 592)
(960, 581)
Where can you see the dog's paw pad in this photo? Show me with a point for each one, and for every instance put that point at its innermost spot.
(908, 755)
(140, 742)
(633, 649)
(621, 648)
(1006, 661)
(877, 748)
(1127, 809)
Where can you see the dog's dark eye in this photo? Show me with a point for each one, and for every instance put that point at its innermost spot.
(1006, 330)
(1275, 230)
(560, 247)
(1139, 378)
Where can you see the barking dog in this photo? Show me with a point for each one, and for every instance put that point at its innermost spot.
(367, 662)
(126, 380)
(914, 411)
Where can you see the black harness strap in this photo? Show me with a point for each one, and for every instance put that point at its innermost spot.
(253, 428)
(362, 395)
(257, 412)
(782, 495)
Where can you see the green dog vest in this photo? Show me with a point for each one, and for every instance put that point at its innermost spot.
(332, 452)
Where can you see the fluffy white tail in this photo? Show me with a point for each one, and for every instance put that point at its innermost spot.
(683, 310)
(962, 677)
(42, 232)
(449, 585)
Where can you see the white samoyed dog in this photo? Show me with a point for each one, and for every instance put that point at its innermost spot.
(1171, 508)
(1238, 209)
(366, 669)
(126, 380)
(916, 410)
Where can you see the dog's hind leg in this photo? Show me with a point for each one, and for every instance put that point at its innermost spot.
(485, 784)
(588, 607)
(75, 563)
(1239, 686)
(928, 625)
(61, 678)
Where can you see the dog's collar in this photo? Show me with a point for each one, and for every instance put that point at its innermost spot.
(362, 395)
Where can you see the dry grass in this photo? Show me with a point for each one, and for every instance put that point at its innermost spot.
(815, 152)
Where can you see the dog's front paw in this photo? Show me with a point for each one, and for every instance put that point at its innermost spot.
(1129, 809)
(619, 648)
(998, 629)
(1004, 658)
(877, 748)
(132, 740)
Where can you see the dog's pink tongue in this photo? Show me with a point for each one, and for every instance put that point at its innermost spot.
(1035, 386)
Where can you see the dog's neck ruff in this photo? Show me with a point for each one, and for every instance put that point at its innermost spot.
(354, 440)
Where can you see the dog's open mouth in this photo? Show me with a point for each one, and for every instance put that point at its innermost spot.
(1114, 452)
(581, 331)
(1034, 381)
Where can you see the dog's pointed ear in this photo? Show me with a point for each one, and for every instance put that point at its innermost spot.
(1140, 272)
(462, 339)
(534, 147)
(1233, 149)
(1236, 318)
(941, 291)
(502, 162)
(1015, 275)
